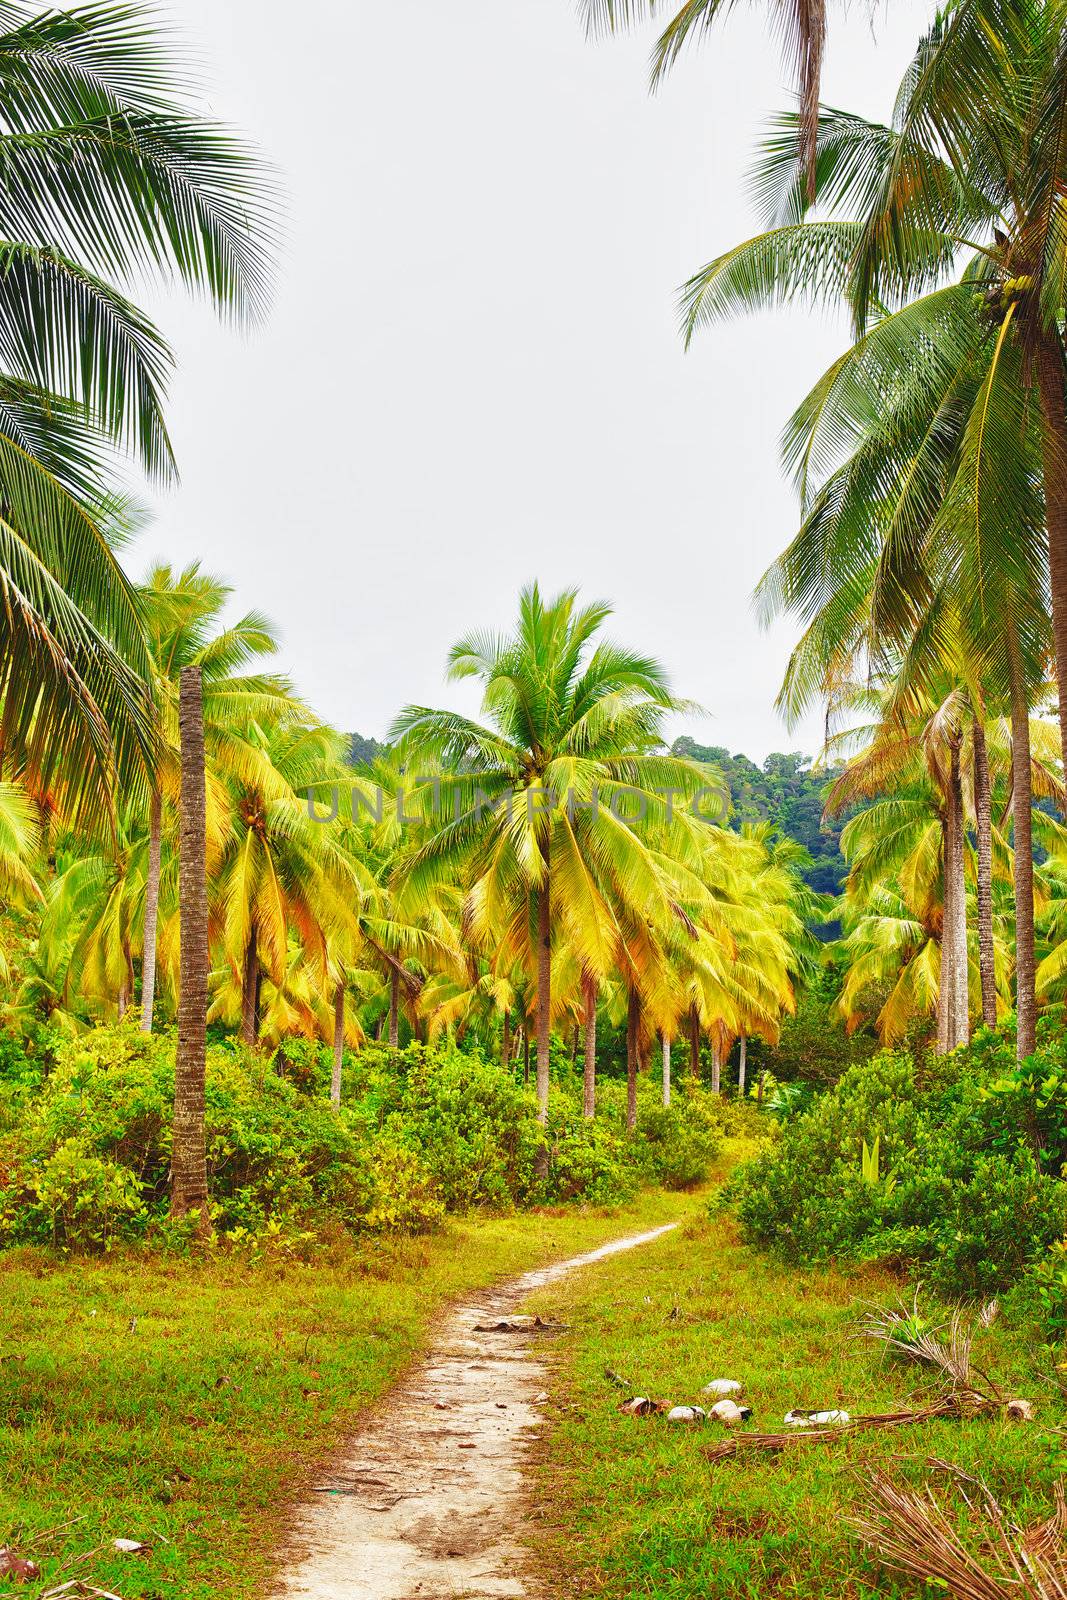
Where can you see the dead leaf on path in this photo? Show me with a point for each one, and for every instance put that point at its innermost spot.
(520, 1325)
(18, 1567)
(129, 1547)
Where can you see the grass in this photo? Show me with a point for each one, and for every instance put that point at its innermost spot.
(631, 1507)
(183, 1403)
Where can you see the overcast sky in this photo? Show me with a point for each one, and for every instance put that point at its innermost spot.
(472, 375)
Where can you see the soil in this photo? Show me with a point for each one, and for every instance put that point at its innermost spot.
(428, 1504)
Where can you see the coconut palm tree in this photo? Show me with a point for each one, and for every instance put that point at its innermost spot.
(188, 1155)
(110, 178)
(544, 787)
(970, 168)
(182, 616)
(802, 24)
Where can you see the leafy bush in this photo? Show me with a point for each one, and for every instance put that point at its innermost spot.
(966, 1181)
(424, 1131)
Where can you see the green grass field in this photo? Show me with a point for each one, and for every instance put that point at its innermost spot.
(183, 1404)
(632, 1507)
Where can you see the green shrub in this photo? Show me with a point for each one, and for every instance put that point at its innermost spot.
(958, 1189)
(425, 1131)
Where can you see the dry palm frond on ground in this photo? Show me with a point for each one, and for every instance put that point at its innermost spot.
(912, 1534)
(943, 1348)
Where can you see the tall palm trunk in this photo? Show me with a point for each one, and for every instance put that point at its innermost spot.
(633, 1026)
(716, 1061)
(544, 991)
(1054, 454)
(151, 910)
(1022, 827)
(945, 978)
(589, 1078)
(694, 1042)
(960, 1026)
(338, 1041)
(188, 1160)
(505, 1041)
(666, 1070)
(394, 1009)
(250, 989)
(983, 807)
(742, 1067)
(526, 1056)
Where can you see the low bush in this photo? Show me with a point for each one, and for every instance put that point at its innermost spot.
(424, 1131)
(951, 1167)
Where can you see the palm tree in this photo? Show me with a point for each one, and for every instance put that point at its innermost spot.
(802, 24)
(188, 1157)
(278, 868)
(542, 791)
(182, 620)
(109, 177)
(970, 165)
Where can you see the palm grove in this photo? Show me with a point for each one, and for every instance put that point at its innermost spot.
(172, 848)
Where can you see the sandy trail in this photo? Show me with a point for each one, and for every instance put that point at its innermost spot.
(428, 1504)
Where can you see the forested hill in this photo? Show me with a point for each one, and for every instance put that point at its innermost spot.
(784, 790)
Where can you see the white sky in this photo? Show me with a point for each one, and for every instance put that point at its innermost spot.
(472, 374)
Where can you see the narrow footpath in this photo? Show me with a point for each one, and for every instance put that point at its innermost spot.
(429, 1503)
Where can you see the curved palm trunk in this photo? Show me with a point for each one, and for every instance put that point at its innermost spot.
(1054, 456)
(633, 1026)
(742, 1068)
(589, 1076)
(338, 1042)
(666, 1071)
(151, 911)
(1022, 827)
(188, 1160)
(250, 990)
(544, 992)
(394, 1009)
(694, 1042)
(983, 806)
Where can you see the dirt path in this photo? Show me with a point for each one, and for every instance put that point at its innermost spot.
(428, 1505)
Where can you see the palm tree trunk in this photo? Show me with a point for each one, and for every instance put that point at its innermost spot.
(526, 1056)
(188, 1159)
(1022, 829)
(944, 987)
(716, 1061)
(544, 992)
(250, 990)
(151, 911)
(633, 1024)
(338, 1041)
(742, 1068)
(666, 1070)
(983, 807)
(589, 1080)
(505, 1041)
(394, 1009)
(694, 1042)
(960, 1028)
(1054, 453)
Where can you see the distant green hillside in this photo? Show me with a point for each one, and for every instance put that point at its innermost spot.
(784, 790)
